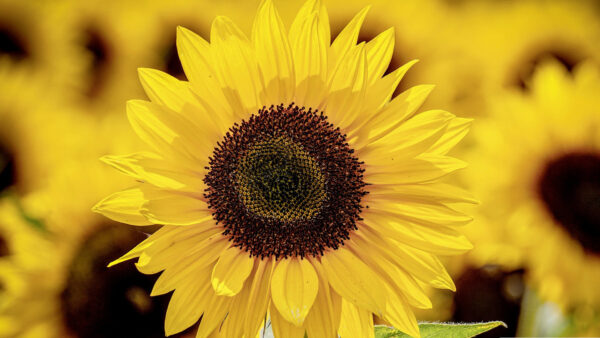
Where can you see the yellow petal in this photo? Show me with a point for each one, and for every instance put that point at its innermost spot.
(323, 320)
(138, 249)
(150, 168)
(236, 65)
(231, 271)
(274, 54)
(215, 311)
(378, 95)
(381, 91)
(379, 54)
(309, 38)
(401, 316)
(418, 259)
(169, 256)
(439, 240)
(123, 206)
(294, 287)
(354, 280)
(186, 304)
(159, 240)
(148, 127)
(346, 39)
(195, 55)
(409, 139)
(422, 169)
(397, 280)
(164, 207)
(310, 8)
(420, 264)
(421, 213)
(356, 322)
(457, 129)
(348, 87)
(399, 109)
(164, 89)
(233, 324)
(434, 192)
(258, 300)
(174, 136)
(282, 328)
(206, 254)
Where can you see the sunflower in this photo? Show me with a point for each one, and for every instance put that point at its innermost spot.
(32, 39)
(537, 164)
(109, 39)
(288, 184)
(59, 284)
(506, 54)
(23, 154)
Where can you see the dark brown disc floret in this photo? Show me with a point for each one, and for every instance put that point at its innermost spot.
(285, 183)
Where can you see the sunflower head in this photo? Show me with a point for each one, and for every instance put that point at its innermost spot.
(538, 156)
(288, 176)
(289, 183)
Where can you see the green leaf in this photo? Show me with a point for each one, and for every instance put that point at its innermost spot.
(440, 330)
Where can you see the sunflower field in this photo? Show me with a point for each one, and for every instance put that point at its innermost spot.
(299, 168)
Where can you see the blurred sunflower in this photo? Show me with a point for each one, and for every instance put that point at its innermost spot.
(23, 154)
(258, 180)
(63, 287)
(496, 44)
(31, 39)
(111, 40)
(537, 168)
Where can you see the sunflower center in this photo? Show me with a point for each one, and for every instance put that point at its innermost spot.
(278, 179)
(115, 302)
(285, 183)
(570, 188)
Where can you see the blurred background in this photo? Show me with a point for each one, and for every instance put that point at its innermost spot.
(526, 71)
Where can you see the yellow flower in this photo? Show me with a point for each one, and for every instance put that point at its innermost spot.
(32, 39)
(55, 278)
(500, 43)
(23, 144)
(286, 182)
(537, 164)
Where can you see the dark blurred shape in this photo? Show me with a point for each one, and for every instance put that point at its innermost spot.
(568, 58)
(99, 48)
(570, 189)
(8, 174)
(4, 249)
(12, 44)
(172, 63)
(488, 294)
(111, 302)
